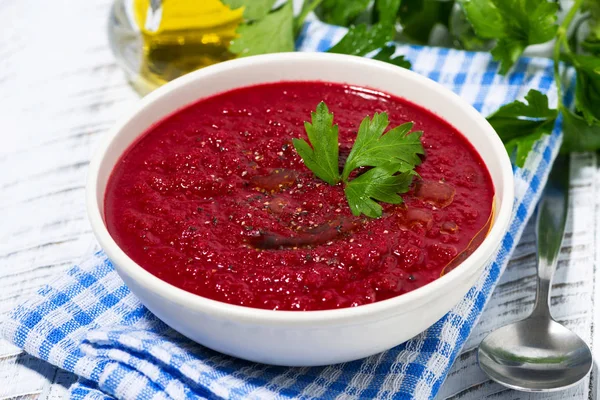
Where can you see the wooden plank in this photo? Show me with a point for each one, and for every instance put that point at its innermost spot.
(60, 90)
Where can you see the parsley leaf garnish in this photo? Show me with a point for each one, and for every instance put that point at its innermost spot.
(592, 41)
(382, 184)
(520, 125)
(342, 12)
(322, 157)
(463, 34)
(393, 156)
(272, 34)
(420, 17)
(579, 135)
(386, 11)
(253, 10)
(386, 54)
(372, 148)
(516, 24)
(361, 39)
(587, 91)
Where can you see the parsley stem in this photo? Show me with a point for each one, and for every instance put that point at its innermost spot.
(557, 77)
(561, 39)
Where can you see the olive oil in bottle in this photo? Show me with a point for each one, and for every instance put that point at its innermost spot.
(156, 41)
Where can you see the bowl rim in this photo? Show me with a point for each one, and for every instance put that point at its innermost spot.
(395, 305)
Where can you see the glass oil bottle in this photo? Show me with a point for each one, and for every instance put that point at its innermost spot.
(156, 41)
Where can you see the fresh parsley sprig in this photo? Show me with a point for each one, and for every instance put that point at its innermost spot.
(520, 125)
(393, 157)
(341, 13)
(515, 24)
(374, 149)
(380, 183)
(322, 157)
(361, 39)
(581, 126)
(265, 30)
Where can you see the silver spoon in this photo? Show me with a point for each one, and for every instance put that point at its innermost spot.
(538, 354)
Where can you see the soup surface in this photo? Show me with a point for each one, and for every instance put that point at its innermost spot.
(215, 200)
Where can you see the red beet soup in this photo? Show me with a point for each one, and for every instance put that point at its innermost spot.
(215, 200)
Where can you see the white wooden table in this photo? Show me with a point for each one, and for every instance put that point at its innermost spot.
(60, 90)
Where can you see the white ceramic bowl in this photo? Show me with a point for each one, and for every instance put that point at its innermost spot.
(296, 338)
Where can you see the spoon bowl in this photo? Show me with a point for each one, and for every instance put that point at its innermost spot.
(535, 354)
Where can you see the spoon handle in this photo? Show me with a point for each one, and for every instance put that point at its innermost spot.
(550, 228)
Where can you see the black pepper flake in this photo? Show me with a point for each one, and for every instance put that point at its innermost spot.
(248, 227)
(285, 146)
(193, 228)
(215, 221)
(308, 257)
(199, 209)
(230, 217)
(411, 278)
(230, 267)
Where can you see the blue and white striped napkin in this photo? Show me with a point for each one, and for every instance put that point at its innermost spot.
(89, 323)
